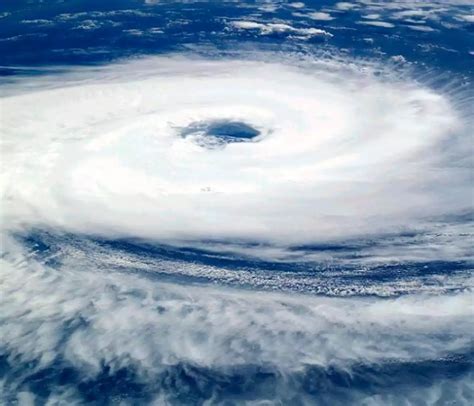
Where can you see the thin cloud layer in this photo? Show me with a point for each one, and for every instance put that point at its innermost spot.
(84, 320)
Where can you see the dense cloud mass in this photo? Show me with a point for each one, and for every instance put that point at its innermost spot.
(339, 152)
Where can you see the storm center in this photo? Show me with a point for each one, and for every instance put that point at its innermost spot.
(216, 134)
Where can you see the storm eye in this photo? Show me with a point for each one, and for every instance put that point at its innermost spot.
(216, 134)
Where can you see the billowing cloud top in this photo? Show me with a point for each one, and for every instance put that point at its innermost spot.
(340, 152)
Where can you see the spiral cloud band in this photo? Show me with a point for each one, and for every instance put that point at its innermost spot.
(174, 337)
(131, 189)
(337, 153)
(236, 203)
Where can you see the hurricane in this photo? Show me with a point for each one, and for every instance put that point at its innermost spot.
(236, 203)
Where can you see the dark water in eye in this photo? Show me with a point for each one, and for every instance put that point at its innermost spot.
(231, 129)
(219, 132)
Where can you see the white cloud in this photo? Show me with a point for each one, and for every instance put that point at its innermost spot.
(134, 32)
(377, 23)
(371, 16)
(346, 6)
(423, 28)
(398, 58)
(466, 17)
(88, 25)
(271, 28)
(320, 16)
(39, 21)
(248, 25)
(311, 177)
(91, 318)
(297, 4)
(419, 13)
